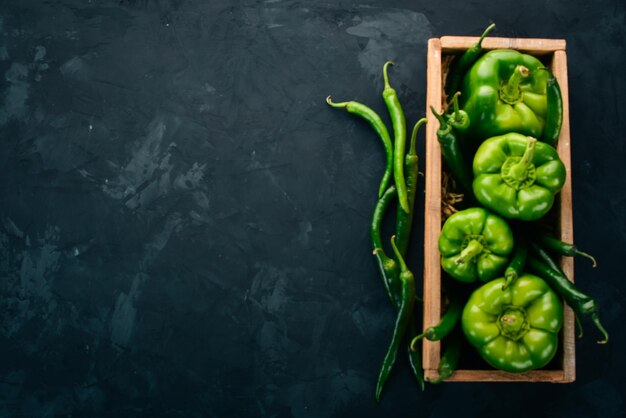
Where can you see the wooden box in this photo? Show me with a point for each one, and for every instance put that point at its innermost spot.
(440, 51)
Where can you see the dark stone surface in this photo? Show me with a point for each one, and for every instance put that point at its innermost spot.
(184, 222)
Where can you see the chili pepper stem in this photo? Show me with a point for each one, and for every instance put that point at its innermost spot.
(579, 325)
(472, 250)
(509, 277)
(596, 320)
(484, 35)
(589, 256)
(338, 105)
(412, 147)
(519, 171)
(510, 92)
(415, 341)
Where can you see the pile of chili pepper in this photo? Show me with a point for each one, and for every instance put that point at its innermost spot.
(498, 136)
(399, 184)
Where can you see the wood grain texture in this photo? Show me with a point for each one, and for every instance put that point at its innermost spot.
(438, 52)
(432, 210)
(451, 44)
(559, 68)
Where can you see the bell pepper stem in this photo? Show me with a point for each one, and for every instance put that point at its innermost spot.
(472, 250)
(510, 92)
(519, 171)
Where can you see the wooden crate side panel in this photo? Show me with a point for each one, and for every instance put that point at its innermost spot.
(559, 68)
(432, 210)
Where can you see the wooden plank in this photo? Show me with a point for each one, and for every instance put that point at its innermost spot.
(559, 68)
(432, 210)
(551, 376)
(451, 44)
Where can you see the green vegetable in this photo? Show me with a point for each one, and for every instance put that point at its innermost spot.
(463, 63)
(459, 119)
(450, 358)
(517, 177)
(563, 248)
(405, 311)
(396, 114)
(452, 154)
(582, 304)
(504, 92)
(377, 123)
(404, 220)
(388, 267)
(518, 261)
(554, 116)
(446, 324)
(516, 329)
(475, 245)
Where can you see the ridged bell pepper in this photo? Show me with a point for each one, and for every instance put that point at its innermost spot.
(517, 177)
(505, 91)
(475, 245)
(516, 329)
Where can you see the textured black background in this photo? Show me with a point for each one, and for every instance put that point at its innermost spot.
(184, 220)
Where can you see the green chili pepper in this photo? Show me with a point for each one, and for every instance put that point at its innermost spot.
(581, 303)
(504, 92)
(399, 133)
(415, 356)
(518, 261)
(377, 123)
(517, 177)
(516, 329)
(446, 324)
(452, 154)
(388, 267)
(563, 248)
(459, 119)
(404, 220)
(475, 245)
(463, 63)
(407, 300)
(450, 359)
(554, 112)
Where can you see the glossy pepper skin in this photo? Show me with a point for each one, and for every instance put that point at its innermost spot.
(516, 329)
(475, 245)
(505, 91)
(517, 177)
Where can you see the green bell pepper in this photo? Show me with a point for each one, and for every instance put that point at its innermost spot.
(475, 245)
(517, 177)
(505, 91)
(516, 329)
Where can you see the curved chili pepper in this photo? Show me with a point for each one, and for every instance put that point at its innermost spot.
(377, 123)
(399, 133)
(452, 154)
(445, 326)
(460, 66)
(581, 303)
(563, 248)
(459, 119)
(404, 220)
(450, 359)
(518, 262)
(405, 311)
(388, 267)
(554, 112)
